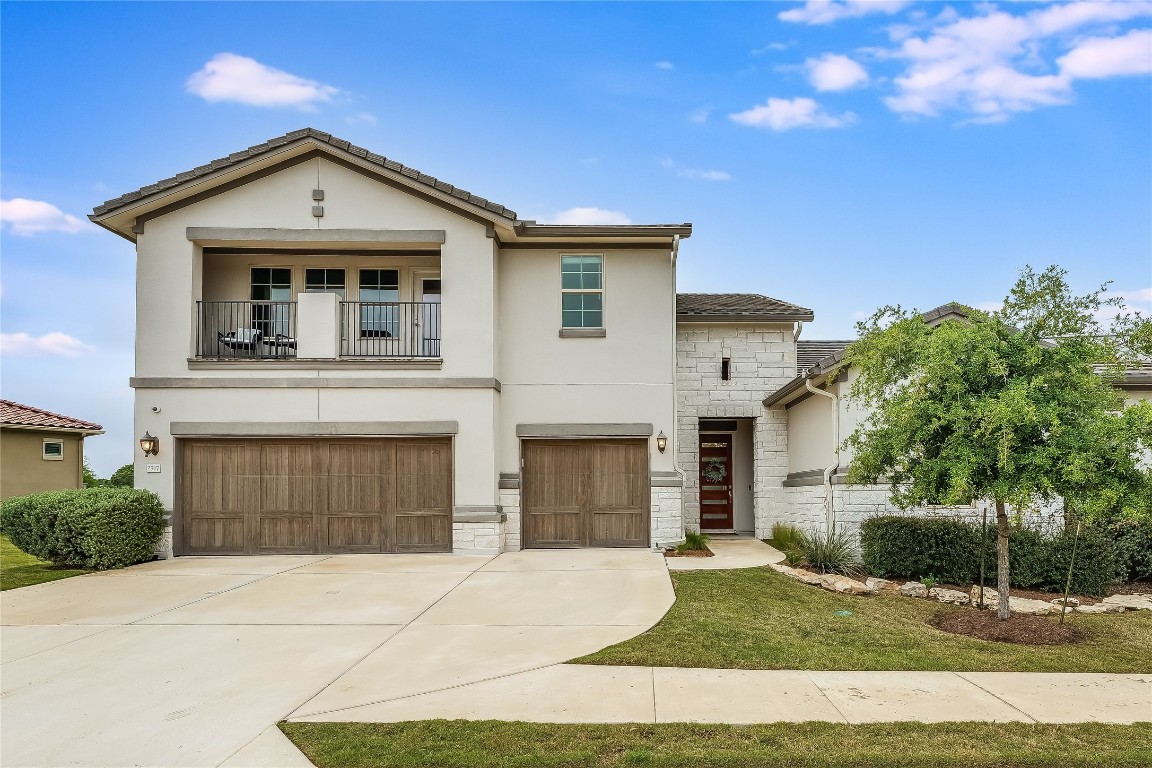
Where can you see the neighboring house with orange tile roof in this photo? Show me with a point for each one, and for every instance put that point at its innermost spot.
(40, 450)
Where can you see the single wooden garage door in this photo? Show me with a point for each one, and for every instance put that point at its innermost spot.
(585, 493)
(254, 497)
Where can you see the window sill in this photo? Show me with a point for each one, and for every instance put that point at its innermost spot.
(583, 333)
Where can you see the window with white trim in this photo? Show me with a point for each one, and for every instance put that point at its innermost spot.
(53, 450)
(582, 291)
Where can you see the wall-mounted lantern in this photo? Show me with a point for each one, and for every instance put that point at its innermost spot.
(150, 445)
(661, 442)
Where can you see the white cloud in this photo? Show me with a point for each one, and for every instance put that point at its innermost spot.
(666, 65)
(771, 47)
(229, 77)
(361, 118)
(589, 216)
(54, 343)
(1130, 54)
(828, 11)
(685, 172)
(29, 217)
(786, 114)
(699, 115)
(994, 64)
(833, 72)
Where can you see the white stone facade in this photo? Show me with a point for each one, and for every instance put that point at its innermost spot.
(762, 358)
(477, 538)
(510, 505)
(667, 514)
(853, 504)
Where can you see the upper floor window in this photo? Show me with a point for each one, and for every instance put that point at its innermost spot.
(53, 450)
(379, 285)
(324, 281)
(272, 284)
(582, 291)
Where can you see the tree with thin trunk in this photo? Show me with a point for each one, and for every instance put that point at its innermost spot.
(1016, 406)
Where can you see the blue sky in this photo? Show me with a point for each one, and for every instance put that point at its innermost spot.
(837, 155)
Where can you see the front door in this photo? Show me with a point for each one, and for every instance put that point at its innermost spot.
(716, 482)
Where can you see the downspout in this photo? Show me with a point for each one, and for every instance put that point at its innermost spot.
(797, 330)
(674, 437)
(830, 469)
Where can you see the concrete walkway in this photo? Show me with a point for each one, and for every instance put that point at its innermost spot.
(572, 693)
(729, 552)
(191, 662)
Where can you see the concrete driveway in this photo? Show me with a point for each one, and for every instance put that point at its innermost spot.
(189, 662)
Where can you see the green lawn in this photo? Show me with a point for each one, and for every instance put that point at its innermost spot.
(755, 618)
(18, 569)
(494, 744)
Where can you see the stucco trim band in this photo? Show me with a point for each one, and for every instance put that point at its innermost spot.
(583, 430)
(306, 382)
(812, 477)
(493, 514)
(311, 428)
(667, 480)
(276, 235)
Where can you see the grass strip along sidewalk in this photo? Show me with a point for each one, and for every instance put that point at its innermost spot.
(494, 744)
(19, 569)
(755, 618)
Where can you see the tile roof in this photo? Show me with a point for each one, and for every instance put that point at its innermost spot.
(27, 416)
(326, 138)
(809, 353)
(738, 305)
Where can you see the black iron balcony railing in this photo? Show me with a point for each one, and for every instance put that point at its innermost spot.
(390, 329)
(246, 329)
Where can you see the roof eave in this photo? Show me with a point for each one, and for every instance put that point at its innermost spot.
(530, 229)
(794, 317)
(82, 431)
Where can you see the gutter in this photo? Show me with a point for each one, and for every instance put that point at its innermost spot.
(830, 512)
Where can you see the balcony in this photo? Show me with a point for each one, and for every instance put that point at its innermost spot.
(390, 329)
(318, 327)
(246, 329)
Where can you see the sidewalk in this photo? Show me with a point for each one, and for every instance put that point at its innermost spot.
(574, 693)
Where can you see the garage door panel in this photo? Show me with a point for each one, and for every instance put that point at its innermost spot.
(286, 535)
(359, 477)
(359, 533)
(582, 493)
(423, 477)
(218, 535)
(422, 531)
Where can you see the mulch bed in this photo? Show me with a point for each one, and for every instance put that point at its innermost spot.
(1025, 630)
(1132, 588)
(689, 553)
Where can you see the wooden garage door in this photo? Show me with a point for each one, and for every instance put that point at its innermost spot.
(248, 497)
(585, 493)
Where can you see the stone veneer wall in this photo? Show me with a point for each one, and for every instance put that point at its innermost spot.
(478, 538)
(510, 504)
(853, 504)
(762, 359)
(667, 520)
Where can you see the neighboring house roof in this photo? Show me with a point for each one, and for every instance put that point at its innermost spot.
(737, 308)
(27, 417)
(326, 138)
(1137, 378)
(810, 353)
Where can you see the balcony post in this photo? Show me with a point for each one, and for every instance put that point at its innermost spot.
(317, 326)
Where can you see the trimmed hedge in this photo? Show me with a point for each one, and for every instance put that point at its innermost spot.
(949, 550)
(1133, 541)
(98, 528)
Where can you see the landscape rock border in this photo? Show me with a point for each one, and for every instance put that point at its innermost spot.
(1022, 605)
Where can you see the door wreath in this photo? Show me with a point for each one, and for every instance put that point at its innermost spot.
(715, 472)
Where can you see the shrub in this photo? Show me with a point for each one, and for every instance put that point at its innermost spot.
(830, 552)
(97, 528)
(1095, 566)
(895, 546)
(788, 538)
(1028, 553)
(1132, 541)
(693, 542)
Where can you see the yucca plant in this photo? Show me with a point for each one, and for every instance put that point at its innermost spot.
(830, 552)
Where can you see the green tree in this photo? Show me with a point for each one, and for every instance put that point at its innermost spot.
(125, 477)
(1016, 406)
(90, 479)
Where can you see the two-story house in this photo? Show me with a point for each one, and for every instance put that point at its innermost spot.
(338, 353)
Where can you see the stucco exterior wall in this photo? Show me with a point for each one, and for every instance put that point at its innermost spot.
(23, 468)
(762, 359)
(810, 434)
